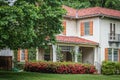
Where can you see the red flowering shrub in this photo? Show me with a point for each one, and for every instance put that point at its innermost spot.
(60, 67)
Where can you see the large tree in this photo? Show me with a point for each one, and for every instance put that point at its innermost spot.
(30, 23)
(113, 4)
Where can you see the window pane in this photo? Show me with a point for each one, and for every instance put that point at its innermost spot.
(110, 54)
(87, 28)
(115, 54)
(22, 54)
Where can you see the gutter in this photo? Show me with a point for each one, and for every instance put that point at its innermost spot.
(79, 43)
(92, 15)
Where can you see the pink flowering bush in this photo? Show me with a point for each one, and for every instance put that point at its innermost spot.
(60, 67)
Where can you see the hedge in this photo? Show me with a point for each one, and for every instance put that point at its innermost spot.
(60, 68)
(110, 68)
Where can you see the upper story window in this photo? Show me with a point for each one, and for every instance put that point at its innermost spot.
(112, 54)
(112, 28)
(112, 31)
(86, 28)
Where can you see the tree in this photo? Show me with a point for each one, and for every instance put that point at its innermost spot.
(78, 4)
(30, 23)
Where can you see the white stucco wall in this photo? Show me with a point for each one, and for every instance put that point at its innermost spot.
(104, 31)
(6, 52)
(71, 27)
(101, 29)
(96, 30)
(88, 55)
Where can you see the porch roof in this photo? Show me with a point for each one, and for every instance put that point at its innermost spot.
(75, 40)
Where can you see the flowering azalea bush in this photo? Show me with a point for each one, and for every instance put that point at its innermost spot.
(60, 67)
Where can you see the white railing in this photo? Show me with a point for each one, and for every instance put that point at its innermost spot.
(114, 37)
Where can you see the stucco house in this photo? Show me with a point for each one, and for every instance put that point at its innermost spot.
(92, 32)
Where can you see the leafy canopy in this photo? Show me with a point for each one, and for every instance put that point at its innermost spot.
(113, 4)
(30, 23)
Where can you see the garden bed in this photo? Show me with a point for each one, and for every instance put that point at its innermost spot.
(60, 67)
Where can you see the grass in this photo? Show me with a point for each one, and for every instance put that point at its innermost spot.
(4, 75)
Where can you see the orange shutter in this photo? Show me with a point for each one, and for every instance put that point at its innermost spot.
(18, 55)
(119, 55)
(26, 54)
(64, 27)
(91, 27)
(106, 54)
(82, 28)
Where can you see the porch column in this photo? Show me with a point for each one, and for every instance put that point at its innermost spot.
(36, 54)
(54, 53)
(96, 59)
(95, 56)
(76, 53)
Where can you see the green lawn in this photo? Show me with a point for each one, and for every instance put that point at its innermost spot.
(41, 76)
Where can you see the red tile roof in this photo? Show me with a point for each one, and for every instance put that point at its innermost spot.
(75, 40)
(94, 11)
(70, 11)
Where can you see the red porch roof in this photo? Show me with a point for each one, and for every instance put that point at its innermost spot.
(75, 40)
(94, 11)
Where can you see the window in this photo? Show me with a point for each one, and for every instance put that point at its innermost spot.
(86, 28)
(113, 54)
(112, 31)
(22, 55)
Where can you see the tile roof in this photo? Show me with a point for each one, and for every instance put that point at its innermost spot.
(94, 11)
(70, 11)
(75, 40)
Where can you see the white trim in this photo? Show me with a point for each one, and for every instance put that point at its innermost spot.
(20, 56)
(76, 53)
(54, 53)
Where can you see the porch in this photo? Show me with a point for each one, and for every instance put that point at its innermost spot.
(69, 48)
(68, 53)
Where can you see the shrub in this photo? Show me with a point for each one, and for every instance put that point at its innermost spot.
(20, 65)
(60, 67)
(110, 68)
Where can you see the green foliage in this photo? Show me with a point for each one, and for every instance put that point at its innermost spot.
(32, 54)
(31, 57)
(59, 54)
(26, 25)
(20, 65)
(110, 68)
(73, 55)
(79, 56)
(78, 4)
(15, 58)
(17, 65)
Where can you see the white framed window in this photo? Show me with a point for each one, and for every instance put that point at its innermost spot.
(113, 54)
(22, 55)
(87, 28)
